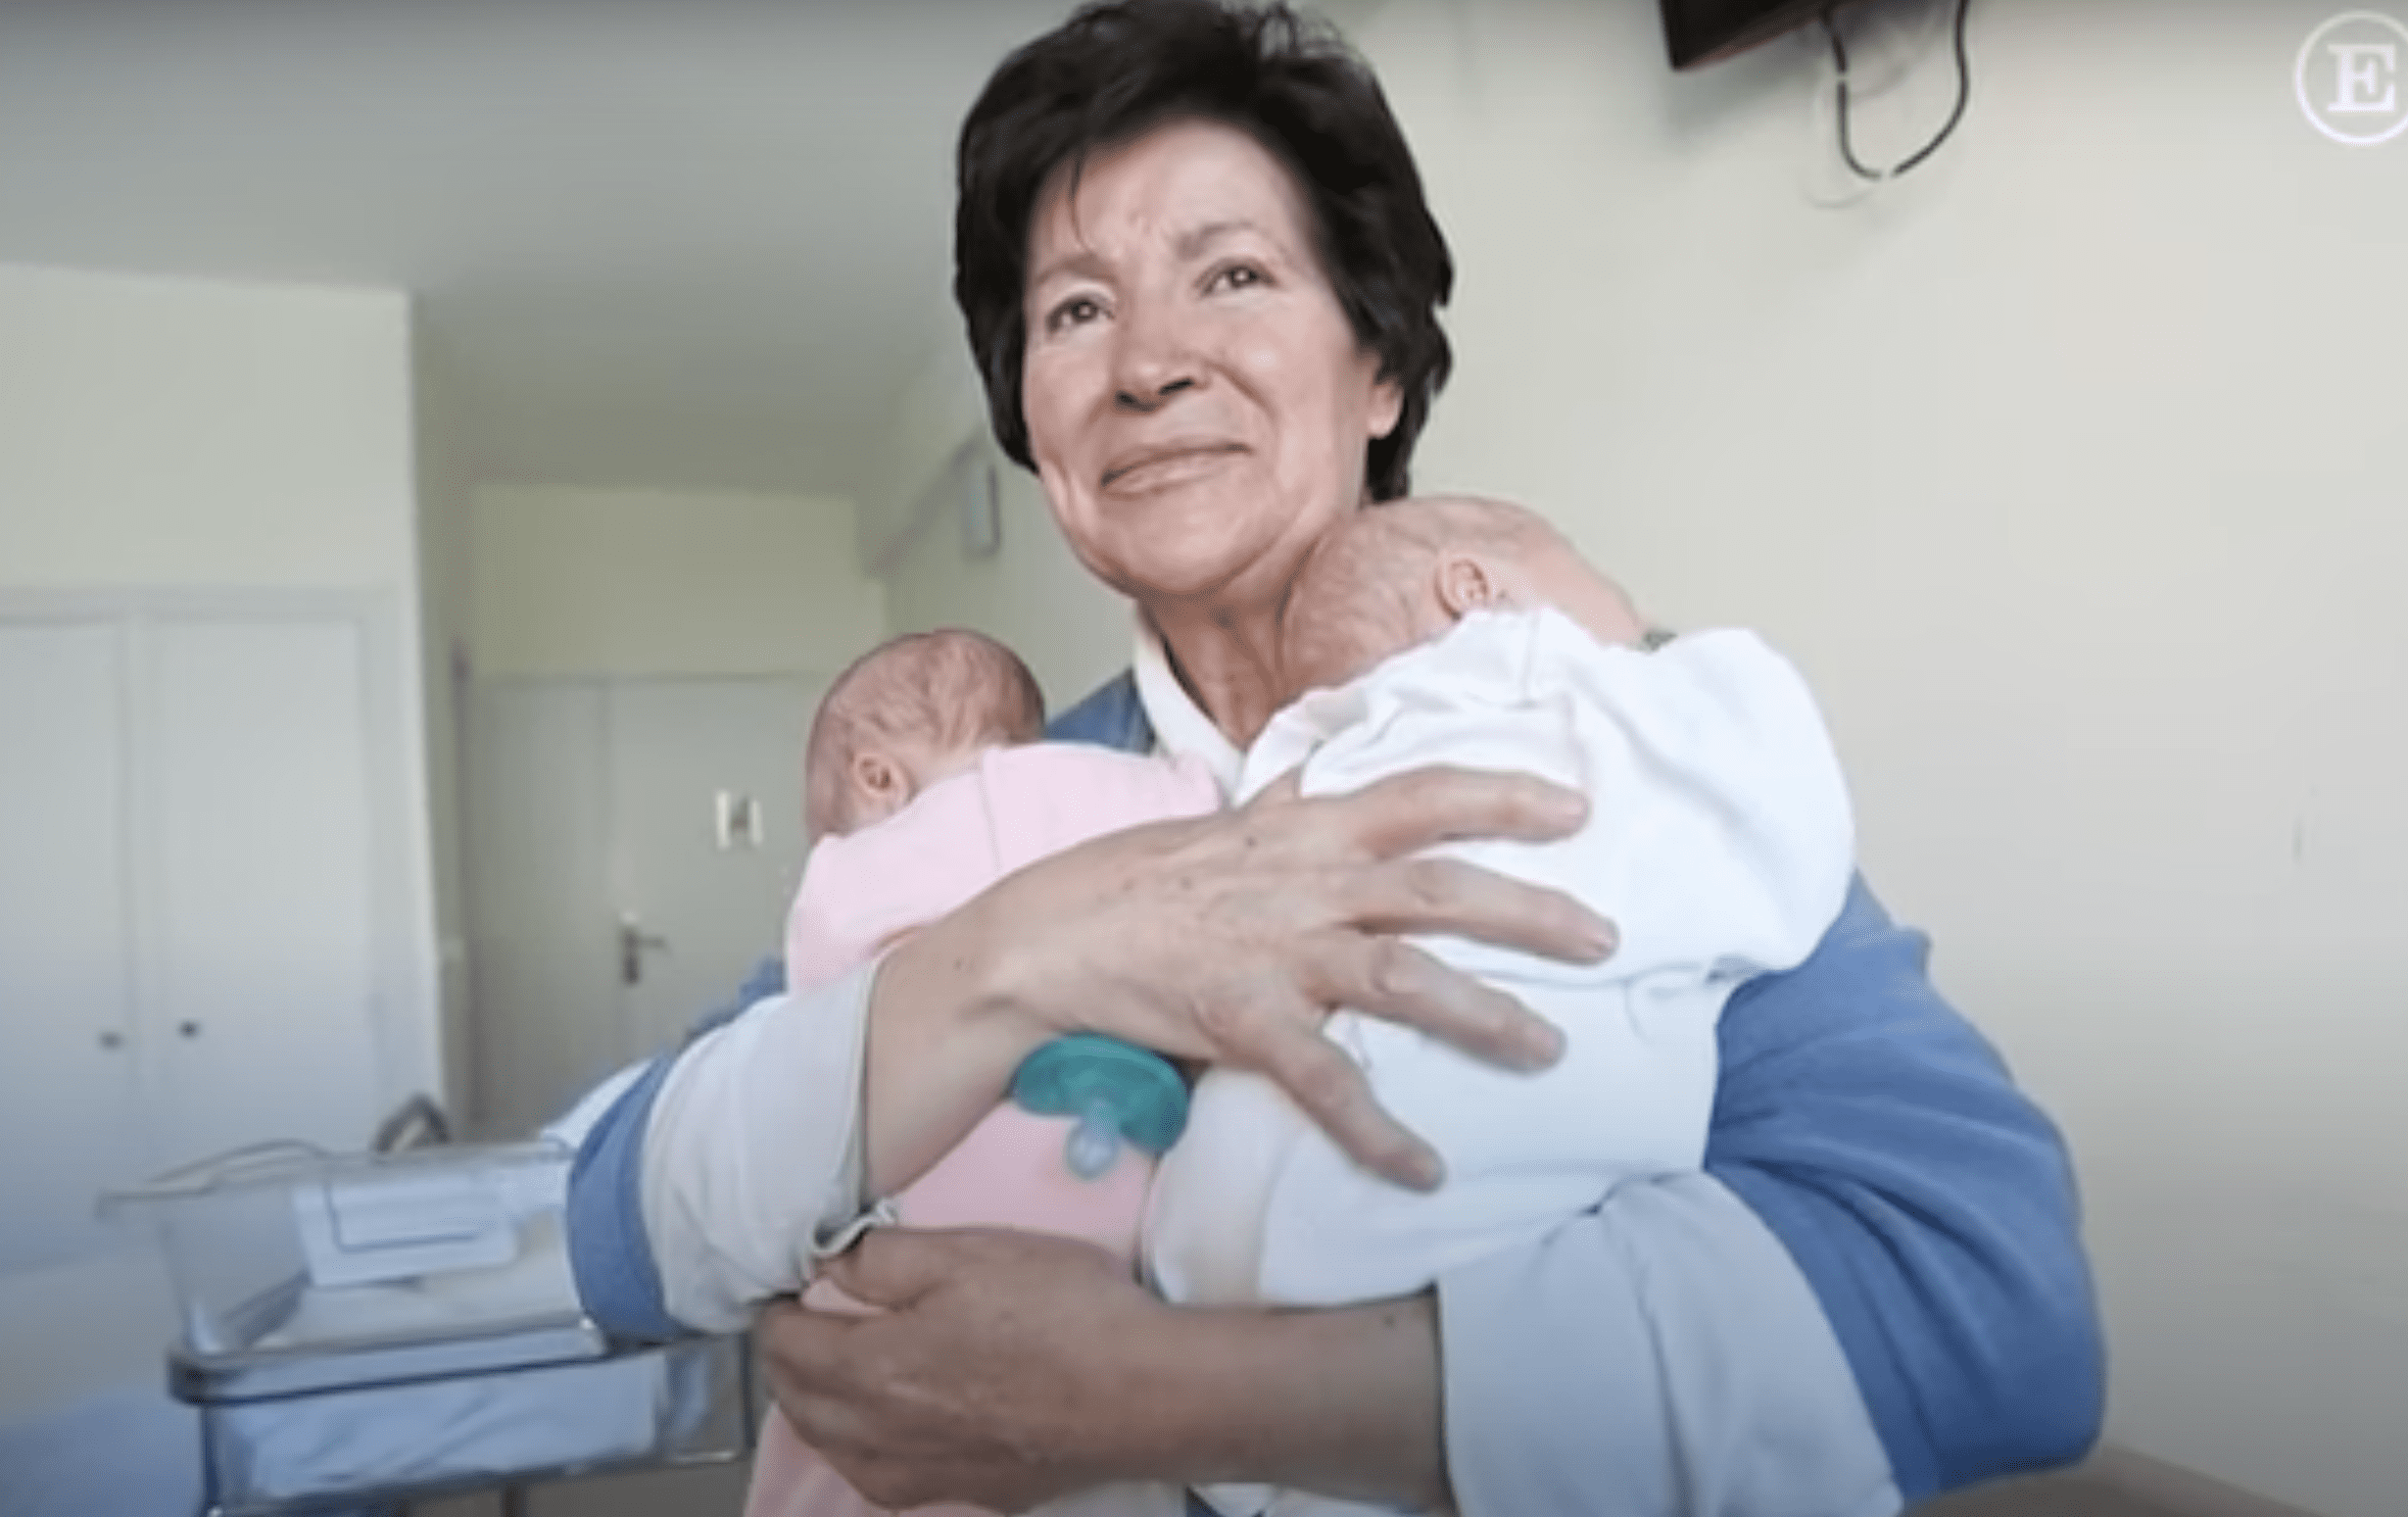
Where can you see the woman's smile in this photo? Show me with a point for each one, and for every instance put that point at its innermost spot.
(1167, 465)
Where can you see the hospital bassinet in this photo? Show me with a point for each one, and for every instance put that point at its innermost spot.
(368, 1329)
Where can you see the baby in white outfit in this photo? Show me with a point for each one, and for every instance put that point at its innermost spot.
(1720, 840)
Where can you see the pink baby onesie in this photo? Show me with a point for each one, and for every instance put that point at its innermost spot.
(861, 893)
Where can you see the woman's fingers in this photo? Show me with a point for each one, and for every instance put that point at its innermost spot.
(1449, 896)
(1407, 812)
(1395, 819)
(796, 1343)
(795, 1337)
(1330, 1088)
(888, 1267)
(1397, 982)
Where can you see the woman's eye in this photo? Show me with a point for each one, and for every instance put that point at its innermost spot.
(1239, 277)
(1074, 312)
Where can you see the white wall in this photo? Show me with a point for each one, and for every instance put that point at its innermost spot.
(178, 432)
(939, 410)
(1072, 633)
(443, 475)
(2069, 469)
(1029, 592)
(167, 436)
(655, 584)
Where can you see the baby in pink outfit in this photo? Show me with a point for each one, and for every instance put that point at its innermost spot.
(926, 781)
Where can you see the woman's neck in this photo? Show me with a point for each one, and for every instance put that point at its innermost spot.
(1226, 662)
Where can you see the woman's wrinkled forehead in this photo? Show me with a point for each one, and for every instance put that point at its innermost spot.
(1194, 176)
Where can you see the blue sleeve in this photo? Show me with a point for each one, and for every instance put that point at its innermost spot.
(609, 1254)
(1928, 1202)
(1111, 716)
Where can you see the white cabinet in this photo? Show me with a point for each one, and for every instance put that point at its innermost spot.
(196, 900)
(263, 1008)
(70, 1114)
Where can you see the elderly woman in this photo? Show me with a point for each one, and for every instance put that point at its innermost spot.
(1201, 284)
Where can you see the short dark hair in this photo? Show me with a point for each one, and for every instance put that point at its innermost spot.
(1118, 68)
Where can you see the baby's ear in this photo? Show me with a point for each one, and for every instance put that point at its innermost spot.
(1464, 583)
(880, 781)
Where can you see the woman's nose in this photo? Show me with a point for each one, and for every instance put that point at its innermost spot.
(1152, 361)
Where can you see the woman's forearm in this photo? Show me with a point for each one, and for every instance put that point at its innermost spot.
(1340, 1401)
(942, 1042)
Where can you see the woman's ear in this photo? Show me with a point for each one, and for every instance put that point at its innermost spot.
(1464, 583)
(1387, 407)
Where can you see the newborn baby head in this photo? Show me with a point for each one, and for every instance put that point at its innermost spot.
(908, 714)
(1396, 575)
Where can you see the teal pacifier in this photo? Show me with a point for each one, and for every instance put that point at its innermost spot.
(1117, 1091)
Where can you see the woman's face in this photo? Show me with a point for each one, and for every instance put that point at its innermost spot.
(1197, 405)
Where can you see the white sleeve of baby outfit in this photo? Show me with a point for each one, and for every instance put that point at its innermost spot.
(1714, 787)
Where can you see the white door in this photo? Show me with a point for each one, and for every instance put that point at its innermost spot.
(632, 847)
(544, 993)
(263, 1015)
(706, 799)
(70, 1123)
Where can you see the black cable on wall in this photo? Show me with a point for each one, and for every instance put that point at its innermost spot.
(1848, 148)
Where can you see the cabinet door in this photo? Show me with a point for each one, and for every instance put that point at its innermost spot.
(69, 1122)
(264, 1012)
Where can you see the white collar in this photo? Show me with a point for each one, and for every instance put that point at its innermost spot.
(1181, 727)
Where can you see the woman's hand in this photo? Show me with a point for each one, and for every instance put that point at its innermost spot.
(1010, 1368)
(970, 1387)
(1229, 938)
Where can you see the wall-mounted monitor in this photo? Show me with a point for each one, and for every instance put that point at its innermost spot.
(1696, 33)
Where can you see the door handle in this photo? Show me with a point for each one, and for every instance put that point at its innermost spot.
(633, 941)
